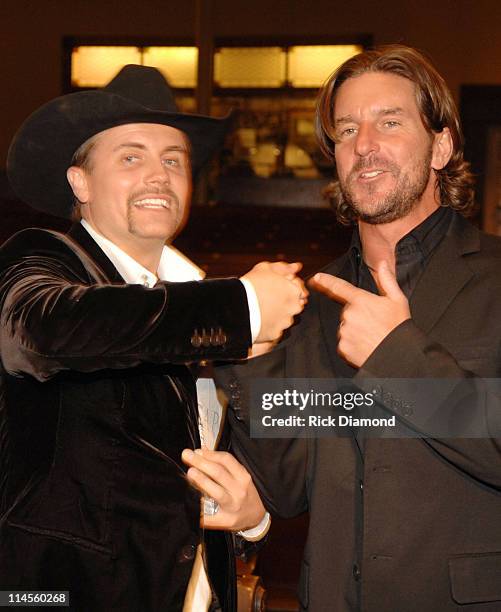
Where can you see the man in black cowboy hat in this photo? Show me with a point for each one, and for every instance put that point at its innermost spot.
(97, 402)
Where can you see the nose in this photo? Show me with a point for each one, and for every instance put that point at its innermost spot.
(157, 173)
(366, 140)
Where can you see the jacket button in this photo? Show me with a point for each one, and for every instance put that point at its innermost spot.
(205, 339)
(196, 339)
(356, 572)
(378, 390)
(219, 337)
(187, 553)
(407, 410)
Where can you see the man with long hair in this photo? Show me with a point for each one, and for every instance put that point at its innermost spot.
(410, 523)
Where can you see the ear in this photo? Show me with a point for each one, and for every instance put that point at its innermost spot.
(78, 182)
(442, 149)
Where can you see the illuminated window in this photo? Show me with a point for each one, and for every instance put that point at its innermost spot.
(305, 66)
(310, 65)
(251, 67)
(177, 64)
(96, 66)
(273, 67)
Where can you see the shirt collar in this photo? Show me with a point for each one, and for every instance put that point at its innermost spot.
(173, 266)
(412, 252)
(426, 235)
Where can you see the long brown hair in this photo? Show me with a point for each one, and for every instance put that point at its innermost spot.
(437, 108)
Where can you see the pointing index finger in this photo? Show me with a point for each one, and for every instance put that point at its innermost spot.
(334, 287)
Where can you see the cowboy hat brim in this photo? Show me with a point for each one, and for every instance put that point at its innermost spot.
(43, 148)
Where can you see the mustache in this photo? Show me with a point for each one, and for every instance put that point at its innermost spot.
(363, 163)
(165, 192)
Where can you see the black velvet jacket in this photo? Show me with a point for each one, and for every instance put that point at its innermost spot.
(96, 406)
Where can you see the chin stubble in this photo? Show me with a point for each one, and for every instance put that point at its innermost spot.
(396, 204)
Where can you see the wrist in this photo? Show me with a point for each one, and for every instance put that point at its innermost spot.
(259, 531)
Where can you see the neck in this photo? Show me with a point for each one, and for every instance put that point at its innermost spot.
(149, 258)
(379, 241)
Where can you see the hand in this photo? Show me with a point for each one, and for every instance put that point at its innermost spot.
(219, 475)
(366, 319)
(281, 295)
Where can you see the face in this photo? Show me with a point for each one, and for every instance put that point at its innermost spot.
(136, 191)
(384, 154)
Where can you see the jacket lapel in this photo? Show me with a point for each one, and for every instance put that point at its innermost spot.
(445, 275)
(85, 241)
(330, 310)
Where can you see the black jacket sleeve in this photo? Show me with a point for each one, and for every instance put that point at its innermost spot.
(57, 314)
(453, 409)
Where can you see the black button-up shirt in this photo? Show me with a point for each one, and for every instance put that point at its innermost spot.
(412, 252)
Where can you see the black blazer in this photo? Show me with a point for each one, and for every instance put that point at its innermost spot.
(407, 525)
(96, 407)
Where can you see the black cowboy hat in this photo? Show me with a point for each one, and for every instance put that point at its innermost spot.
(43, 148)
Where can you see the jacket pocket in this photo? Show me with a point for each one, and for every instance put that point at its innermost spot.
(57, 507)
(61, 536)
(476, 578)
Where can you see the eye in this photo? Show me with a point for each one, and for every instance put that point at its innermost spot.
(346, 133)
(391, 123)
(130, 158)
(173, 162)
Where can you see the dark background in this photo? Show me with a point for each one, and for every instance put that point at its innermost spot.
(462, 36)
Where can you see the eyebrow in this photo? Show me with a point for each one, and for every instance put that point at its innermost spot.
(396, 110)
(139, 145)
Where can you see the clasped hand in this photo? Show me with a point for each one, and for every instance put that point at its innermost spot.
(281, 295)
